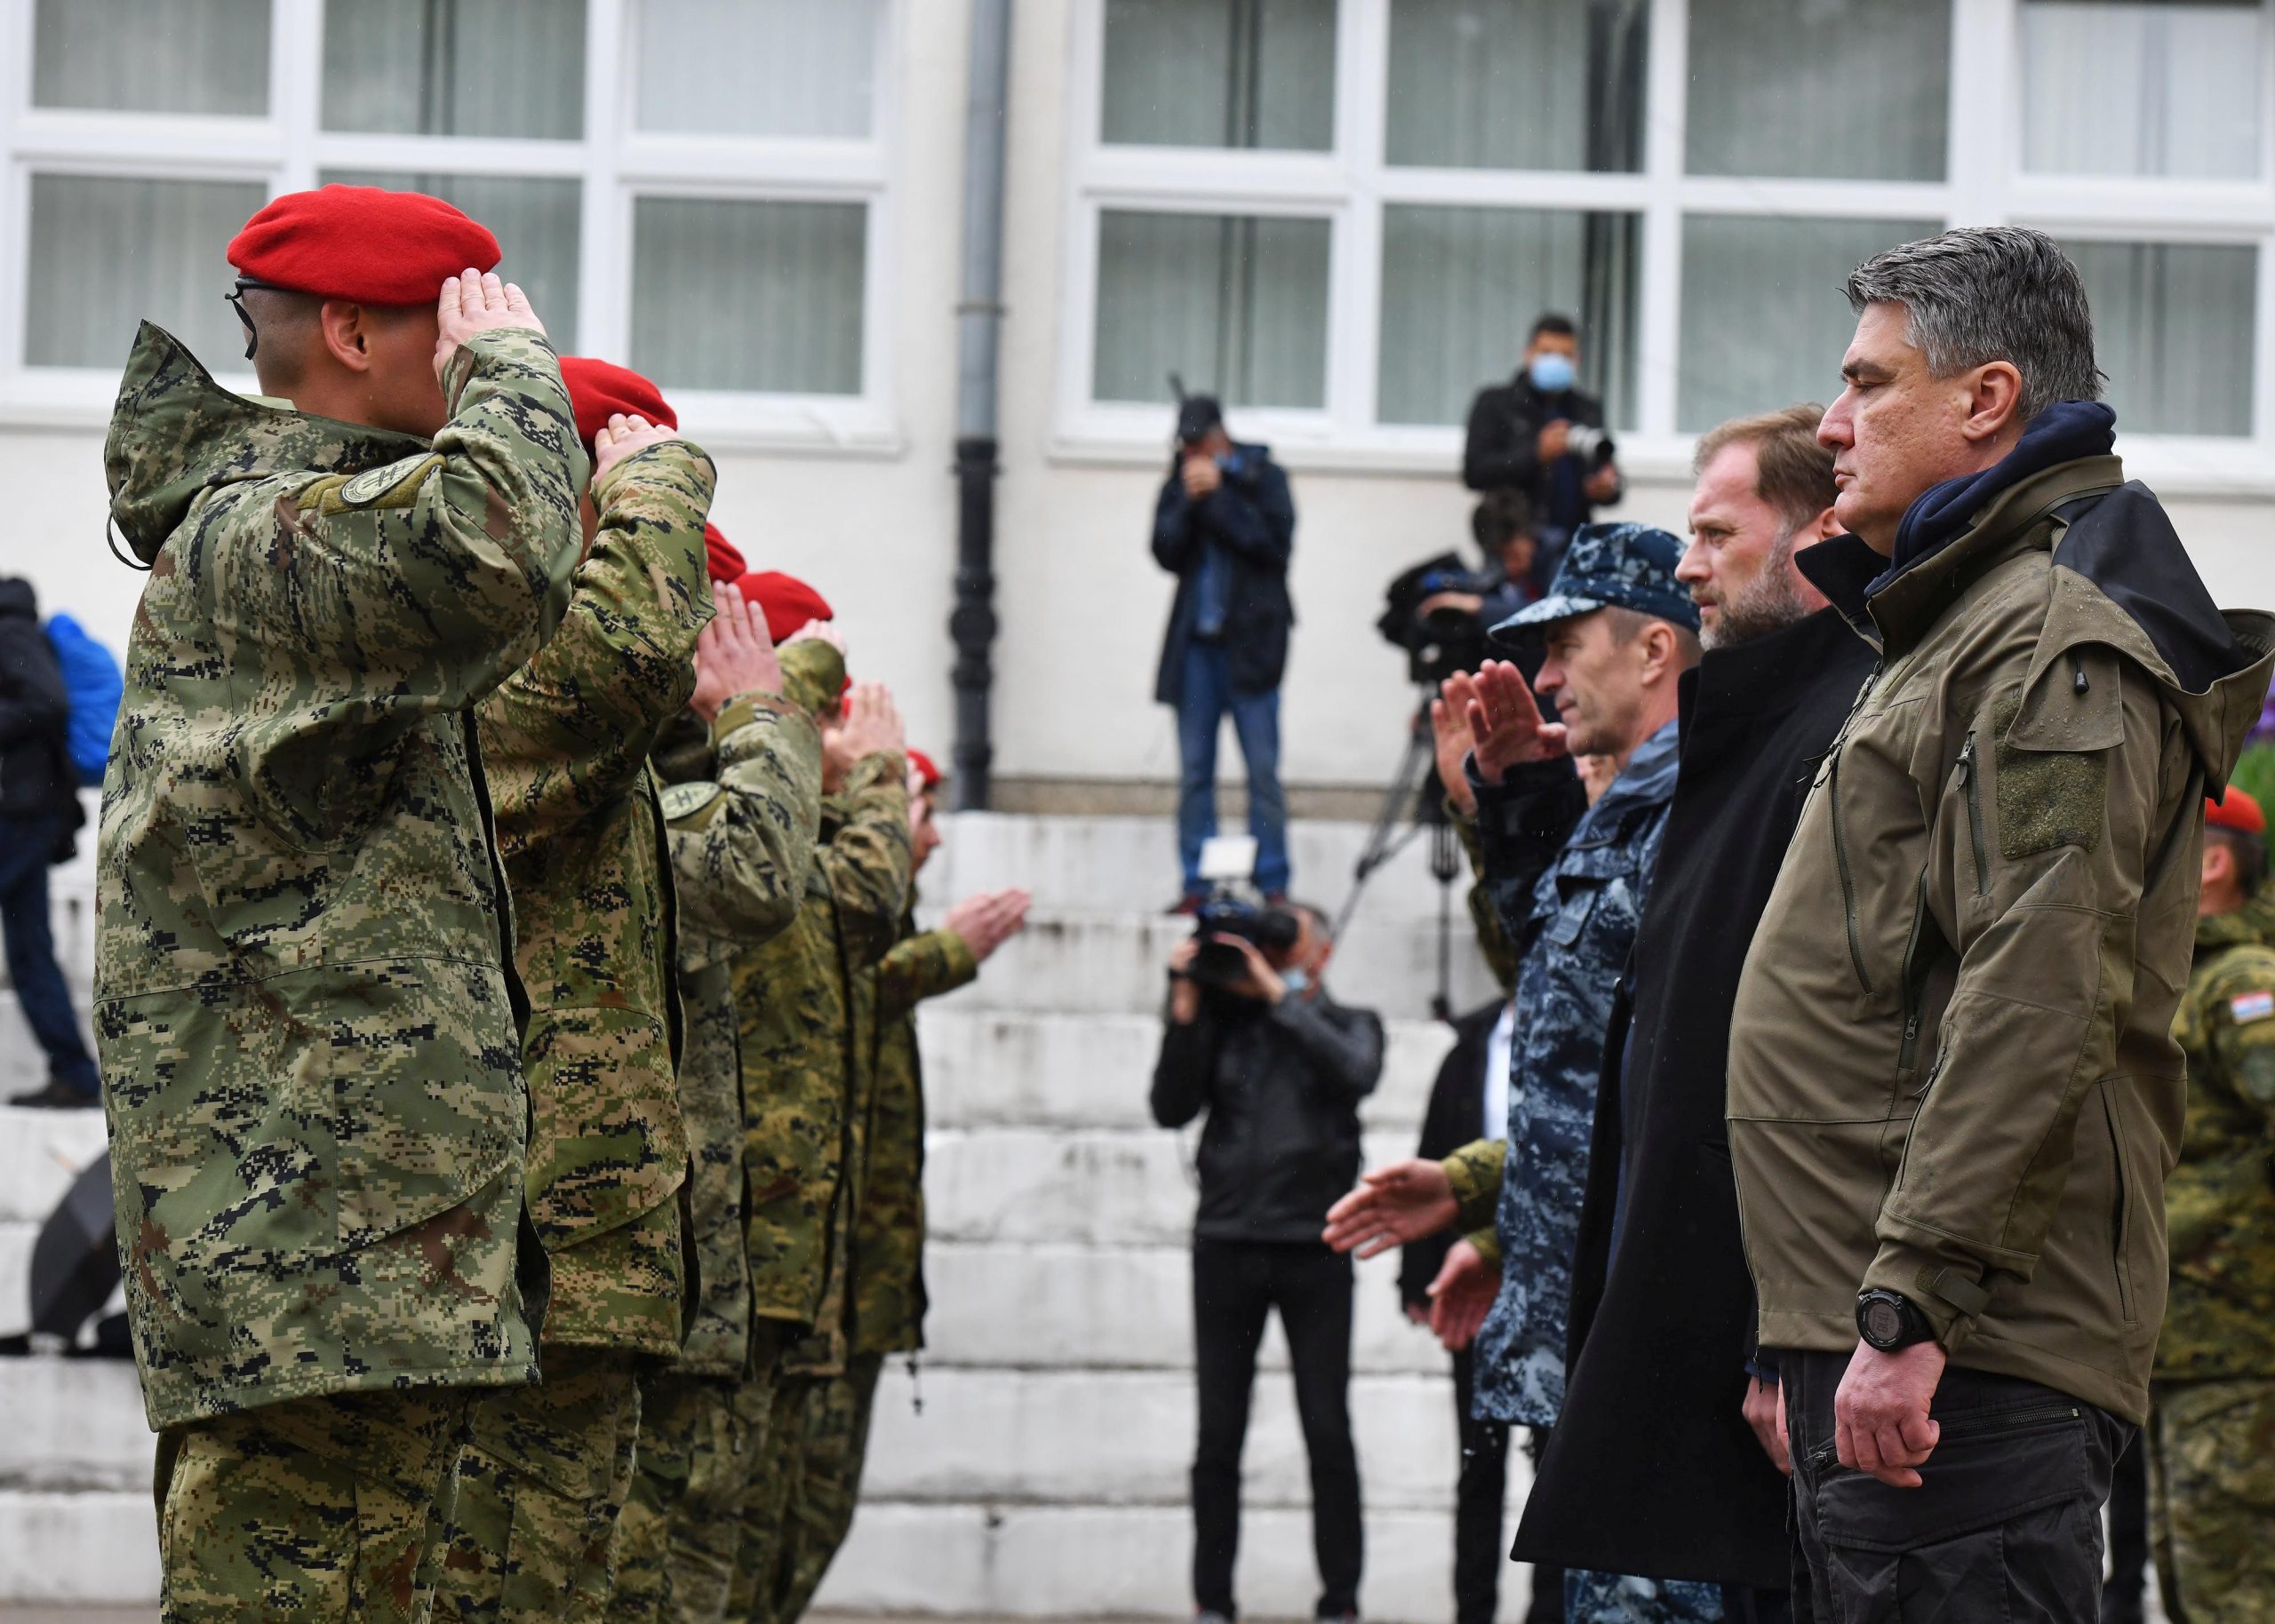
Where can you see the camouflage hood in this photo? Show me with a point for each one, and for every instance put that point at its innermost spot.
(176, 434)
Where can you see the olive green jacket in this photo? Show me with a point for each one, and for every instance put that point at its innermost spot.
(566, 741)
(889, 1298)
(304, 996)
(743, 837)
(805, 1010)
(1953, 1072)
(2220, 1200)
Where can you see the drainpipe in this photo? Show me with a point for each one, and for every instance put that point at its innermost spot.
(979, 314)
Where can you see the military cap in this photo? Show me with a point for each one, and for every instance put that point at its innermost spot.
(721, 558)
(600, 389)
(360, 243)
(787, 601)
(928, 771)
(2237, 810)
(1609, 566)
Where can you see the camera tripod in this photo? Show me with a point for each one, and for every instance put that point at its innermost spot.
(1412, 805)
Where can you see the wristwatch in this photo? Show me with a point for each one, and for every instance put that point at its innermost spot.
(1889, 1320)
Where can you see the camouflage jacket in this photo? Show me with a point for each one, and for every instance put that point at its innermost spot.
(2220, 1200)
(565, 741)
(889, 1229)
(1570, 904)
(303, 989)
(742, 835)
(807, 1041)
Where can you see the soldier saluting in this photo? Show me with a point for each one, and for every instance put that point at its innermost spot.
(304, 993)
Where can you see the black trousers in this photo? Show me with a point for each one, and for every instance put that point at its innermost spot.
(2006, 1527)
(1235, 1285)
(1480, 1490)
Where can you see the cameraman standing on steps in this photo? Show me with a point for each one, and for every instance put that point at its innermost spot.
(1280, 1068)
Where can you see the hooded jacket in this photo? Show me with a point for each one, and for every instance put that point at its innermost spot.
(303, 995)
(1953, 1072)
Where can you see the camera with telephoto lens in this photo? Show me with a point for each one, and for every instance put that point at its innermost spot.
(1440, 642)
(1592, 446)
(1227, 861)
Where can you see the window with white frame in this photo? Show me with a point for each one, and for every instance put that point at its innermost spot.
(697, 187)
(1343, 215)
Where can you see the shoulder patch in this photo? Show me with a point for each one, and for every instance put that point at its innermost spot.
(681, 802)
(2245, 1007)
(396, 485)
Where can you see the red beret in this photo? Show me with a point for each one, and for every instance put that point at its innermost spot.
(2235, 810)
(928, 771)
(787, 601)
(726, 564)
(362, 243)
(600, 389)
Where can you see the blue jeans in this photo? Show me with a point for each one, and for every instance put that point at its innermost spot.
(25, 844)
(1207, 696)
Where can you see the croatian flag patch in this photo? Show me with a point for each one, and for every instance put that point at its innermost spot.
(2249, 1006)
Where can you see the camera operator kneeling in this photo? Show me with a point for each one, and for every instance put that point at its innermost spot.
(1280, 1068)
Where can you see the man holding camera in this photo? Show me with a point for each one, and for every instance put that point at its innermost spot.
(1280, 1068)
(1540, 434)
(1225, 526)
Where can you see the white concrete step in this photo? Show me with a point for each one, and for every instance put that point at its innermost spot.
(72, 1424)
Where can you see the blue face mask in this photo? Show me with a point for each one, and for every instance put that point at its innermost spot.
(1552, 372)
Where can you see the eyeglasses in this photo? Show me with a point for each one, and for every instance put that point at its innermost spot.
(236, 301)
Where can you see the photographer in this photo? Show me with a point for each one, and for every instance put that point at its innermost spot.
(1539, 434)
(1225, 525)
(1280, 1067)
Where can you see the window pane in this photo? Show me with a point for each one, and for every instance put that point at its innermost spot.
(536, 223)
(2175, 330)
(152, 56)
(763, 297)
(1461, 288)
(498, 67)
(1764, 323)
(1235, 304)
(1486, 84)
(2143, 89)
(795, 67)
(109, 252)
(1220, 73)
(1849, 89)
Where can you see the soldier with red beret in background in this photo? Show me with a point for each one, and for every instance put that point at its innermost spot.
(305, 997)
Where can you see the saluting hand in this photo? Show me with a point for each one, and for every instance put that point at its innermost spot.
(1404, 1201)
(621, 437)
(870, 724)
(733, 655)
(1449, 730)
(1506, 725)
(989, 919)
(474, 302)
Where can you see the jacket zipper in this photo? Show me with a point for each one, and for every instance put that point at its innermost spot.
(1848, 880)
(1972, 782)
(1914, 980)
(2117, 1209)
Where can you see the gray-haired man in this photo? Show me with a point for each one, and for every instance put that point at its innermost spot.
(1953, 1087)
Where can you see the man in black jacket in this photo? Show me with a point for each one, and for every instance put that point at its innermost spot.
(1225, 525)
(1280, 1068)
(39, 812)
(1666, 1460)
(1520, 438)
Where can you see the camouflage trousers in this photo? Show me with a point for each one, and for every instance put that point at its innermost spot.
(543, 1476)
(777, 1401)
(834, 1439)
(1611, 1598)
(2212, 1499)
(675, 1542)
(316, 1509)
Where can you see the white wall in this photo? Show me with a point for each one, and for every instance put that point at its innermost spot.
(1080, 602)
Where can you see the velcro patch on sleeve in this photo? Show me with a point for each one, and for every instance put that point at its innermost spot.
(2245, 1007)
(2048, 799)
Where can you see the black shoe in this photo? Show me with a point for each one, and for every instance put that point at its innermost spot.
(58, 1095)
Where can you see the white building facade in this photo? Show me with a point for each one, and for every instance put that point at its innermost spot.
(1340, 214)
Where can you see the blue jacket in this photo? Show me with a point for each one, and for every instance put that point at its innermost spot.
(1568, 882)
(1247, 526)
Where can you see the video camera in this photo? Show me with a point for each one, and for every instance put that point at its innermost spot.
(1447, 639)
(1226, 861)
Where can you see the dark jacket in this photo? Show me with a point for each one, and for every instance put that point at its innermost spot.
(1502, 454)
(1250, 519)
(1455, 1118)
(1652, 1470)
(1282, 1087)
(36, 777)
